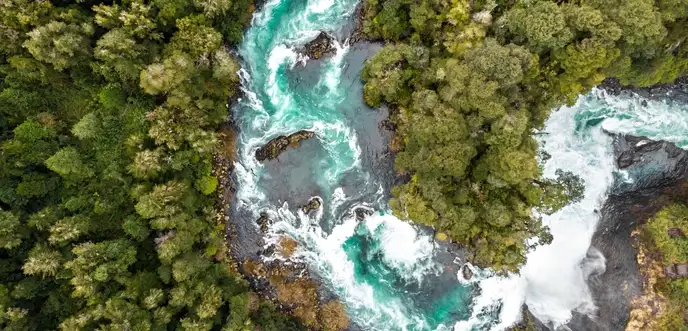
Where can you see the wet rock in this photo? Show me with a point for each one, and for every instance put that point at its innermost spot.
(264, 222)
(650, 163)
(276, 146)
(676, 91)
(319, 47)
(313, 204)
(467, 272)
(362, 213)
(636, 148)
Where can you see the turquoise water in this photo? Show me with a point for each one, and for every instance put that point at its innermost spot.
(390, 274)
(384, 270)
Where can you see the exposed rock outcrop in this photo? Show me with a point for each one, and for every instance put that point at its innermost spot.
(276, 146)
(312, 205)
(467, 272)
(319, 47)
(676, 271)
(676, 91)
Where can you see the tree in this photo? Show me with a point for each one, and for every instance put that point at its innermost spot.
(195, 37)
(43, 261)
(542, 26)
(68, 164)
(61, 44)
(162, 77)
(12, 232)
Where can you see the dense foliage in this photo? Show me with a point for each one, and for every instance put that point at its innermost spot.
(667, 235)
(108, 112)
(470, 81)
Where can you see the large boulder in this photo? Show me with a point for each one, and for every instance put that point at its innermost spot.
(313, 204)
(319, 47)
(276, 146)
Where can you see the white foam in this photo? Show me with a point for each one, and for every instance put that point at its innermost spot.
(402, 249)
(553, 283)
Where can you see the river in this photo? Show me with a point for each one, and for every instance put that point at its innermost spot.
(390, 274)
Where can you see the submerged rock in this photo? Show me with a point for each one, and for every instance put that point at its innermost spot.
(319, 47)
(276, 146)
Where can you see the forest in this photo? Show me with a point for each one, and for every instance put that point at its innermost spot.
(109, 112)
(108, 119)
(664, 235)
(470, 84)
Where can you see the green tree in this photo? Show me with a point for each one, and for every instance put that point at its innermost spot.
(61, 44)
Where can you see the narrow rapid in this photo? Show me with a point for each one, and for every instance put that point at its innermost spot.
(385, 270)
(390, 274)
(553, 283)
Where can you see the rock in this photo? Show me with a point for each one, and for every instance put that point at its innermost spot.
(658, 171)
(276, 146)
(320, 46)
(670, 271)
(682, 270)
(313, 204)
(264, 222)
(676, 91)
(676, 233)
(362, 213)
(637, 147)
(387, 125)
(676, 271)
(466, 272)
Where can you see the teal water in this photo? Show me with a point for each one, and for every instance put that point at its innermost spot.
(392, 275)
(383, 269)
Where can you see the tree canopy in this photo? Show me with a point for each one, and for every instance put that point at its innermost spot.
(108, 113)
(469, 82)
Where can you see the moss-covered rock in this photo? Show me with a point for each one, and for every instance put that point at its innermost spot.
(278, 145)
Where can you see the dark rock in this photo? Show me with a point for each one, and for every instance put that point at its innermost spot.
(636, 147)
(387, 125)
(362, 213)
(313, 204)
(467, 272)
(319, 47)
(650, 163)
(276, 146)
(528, 322)
(676, 91)
(264, 222)
(670, 271)
(676, 233)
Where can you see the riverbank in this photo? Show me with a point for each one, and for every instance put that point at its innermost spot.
(676, 91)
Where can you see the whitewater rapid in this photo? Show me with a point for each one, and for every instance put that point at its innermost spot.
(553, 283)
(386, 270)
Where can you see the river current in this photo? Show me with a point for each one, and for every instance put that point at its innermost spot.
(390, 274)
